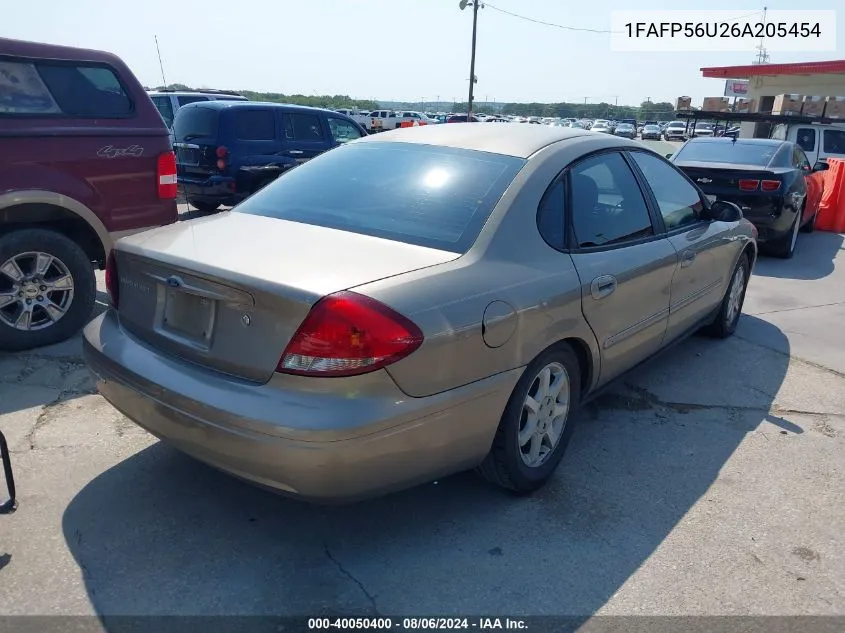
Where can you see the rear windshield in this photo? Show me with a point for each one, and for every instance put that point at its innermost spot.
(728, 152)
(418, 194)
(195, 122)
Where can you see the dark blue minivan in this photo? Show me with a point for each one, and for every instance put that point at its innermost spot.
(228, 150)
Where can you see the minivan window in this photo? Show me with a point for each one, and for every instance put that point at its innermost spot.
(255, 125)
(303, 127)
(425, 195)
(195, 122)
(84, 90)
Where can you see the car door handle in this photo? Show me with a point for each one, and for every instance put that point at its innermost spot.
(687, 259)
(603, 286)
(296, 152)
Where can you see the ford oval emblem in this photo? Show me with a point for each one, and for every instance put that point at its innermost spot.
(174, 282)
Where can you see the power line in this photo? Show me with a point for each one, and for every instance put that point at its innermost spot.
(577, 28)
(557, 26)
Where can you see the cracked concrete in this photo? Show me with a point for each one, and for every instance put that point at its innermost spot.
(710, 483)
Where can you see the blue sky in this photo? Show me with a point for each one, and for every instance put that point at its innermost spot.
(396, 50)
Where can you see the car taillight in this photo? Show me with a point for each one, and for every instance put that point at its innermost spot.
(748, 185)
(222, 153)
(770, 185)
(167, 175)
(346, 334)
(112, 281)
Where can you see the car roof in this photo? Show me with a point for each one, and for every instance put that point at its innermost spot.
(251, 105)
(518, 141)
(39, 50)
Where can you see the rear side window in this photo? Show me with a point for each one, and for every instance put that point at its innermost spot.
(418, 194)
(49, 88)
(195, 122)
(255, 125)
(303, 127)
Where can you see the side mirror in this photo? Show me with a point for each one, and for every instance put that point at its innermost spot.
(723, 211)
(821, 166)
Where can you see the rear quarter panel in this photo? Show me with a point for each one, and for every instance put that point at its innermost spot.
(509, 263)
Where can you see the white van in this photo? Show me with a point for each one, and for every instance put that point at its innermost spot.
(819, 141)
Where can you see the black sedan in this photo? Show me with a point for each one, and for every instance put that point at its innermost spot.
(770, 180)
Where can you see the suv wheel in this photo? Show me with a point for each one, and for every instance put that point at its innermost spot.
(47, 289)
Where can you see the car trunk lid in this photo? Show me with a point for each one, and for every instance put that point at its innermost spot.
(725, 181)
(229, 291)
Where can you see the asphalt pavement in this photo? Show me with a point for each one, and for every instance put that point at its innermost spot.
(710, 483)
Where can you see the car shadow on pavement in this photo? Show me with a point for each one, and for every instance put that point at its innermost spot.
(813, 259)
(162, 534)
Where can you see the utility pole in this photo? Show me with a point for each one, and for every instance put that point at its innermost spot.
(475, 5)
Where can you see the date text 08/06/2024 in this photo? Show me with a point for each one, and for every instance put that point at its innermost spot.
(417, 624)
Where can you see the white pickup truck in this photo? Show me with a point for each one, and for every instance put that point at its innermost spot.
(818, 140)
(361, 117)
(383, 120)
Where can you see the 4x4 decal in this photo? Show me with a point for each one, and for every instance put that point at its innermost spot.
(109, 151)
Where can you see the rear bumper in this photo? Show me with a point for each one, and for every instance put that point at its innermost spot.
(314, 442)
(219, 189)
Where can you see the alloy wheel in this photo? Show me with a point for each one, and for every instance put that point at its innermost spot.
(36, 290)
(544, 414)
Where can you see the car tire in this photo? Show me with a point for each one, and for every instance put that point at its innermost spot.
(20, 251)
(811, 225)
(507, 464)
(203, 206)
(724, 325)
(784, 246)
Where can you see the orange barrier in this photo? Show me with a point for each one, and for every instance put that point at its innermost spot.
(413, 123)
(832, 206)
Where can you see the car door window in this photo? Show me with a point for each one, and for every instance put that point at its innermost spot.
(303, 127)
(806, 139)
(607, 204)
(679, 202)
(165, 108)
(550, 216)
(343, 131)
(834, 142)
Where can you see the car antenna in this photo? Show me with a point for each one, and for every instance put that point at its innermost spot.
(160, 64)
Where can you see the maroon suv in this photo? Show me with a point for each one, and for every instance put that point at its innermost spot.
(85, 158)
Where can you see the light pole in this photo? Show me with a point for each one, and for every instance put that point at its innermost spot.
(475, 4)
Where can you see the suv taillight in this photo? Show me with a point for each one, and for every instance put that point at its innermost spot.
(167, 175)
(112, 281)
(222, 153)
(346, 334)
